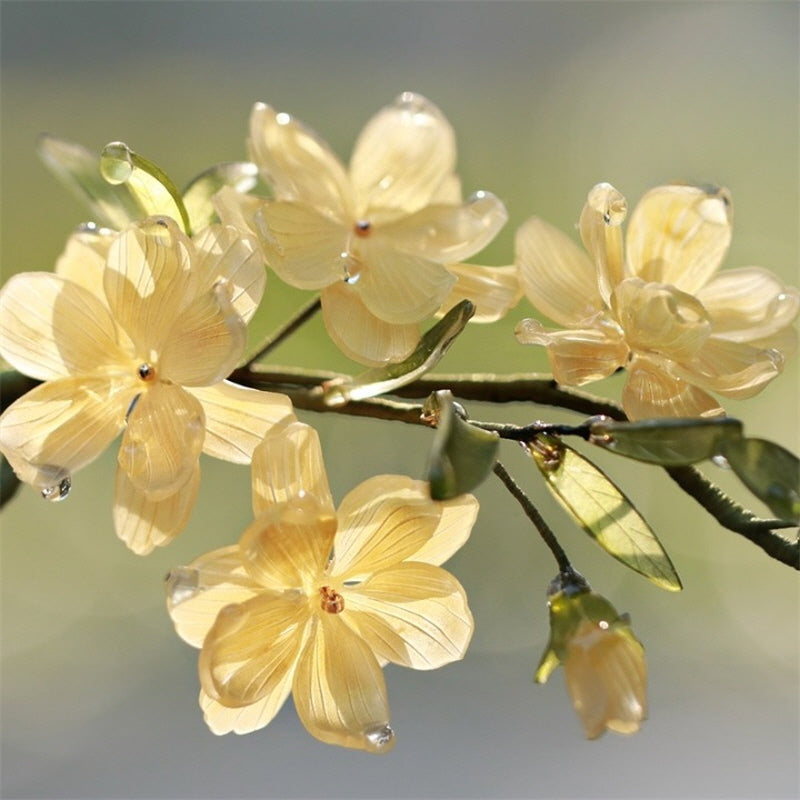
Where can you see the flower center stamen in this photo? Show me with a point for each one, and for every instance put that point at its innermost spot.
(146, 372)
(332, 601)
(362, 228)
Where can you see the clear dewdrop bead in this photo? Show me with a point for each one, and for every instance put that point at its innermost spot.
(351, 269)
(721, 461)
(58, 491)
(379, 738)
(116, 163)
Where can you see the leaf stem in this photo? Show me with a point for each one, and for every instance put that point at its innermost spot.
(545, 531)
(286, 330)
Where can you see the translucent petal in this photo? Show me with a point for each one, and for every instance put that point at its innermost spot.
(288, 465)
(62, 425)
(556, 275)
(51, 327)
(237, 210)
(402, 156)
(384, 520)
(295, 162)
(455, 525)
(412, 614)
(304, 247)
(400, 288)
(206, 341)
(601, 233)
(449, 233)
(149, 280)
(223, 252)
(679, 235)
(251, 650)
(734, 369)
(652, 392)
(339, 691)
(245, 719)
(144, 522)
(288, 546)
(577, 356)
(197, 592)
(660, 318)
(237, 418)
(83, 259)
(359, 334)
(493, 290)
(607, 678)
(163, 440)
(749, 303)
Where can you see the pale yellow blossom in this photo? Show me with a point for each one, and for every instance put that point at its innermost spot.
(603, 661)
(382, 239)
(314, 601)
(135, 333)
(656, 305)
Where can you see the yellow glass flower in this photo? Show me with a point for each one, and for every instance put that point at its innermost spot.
(135, 332)
(313, 601)
(603, 661)
(380, 240)
(656, 306)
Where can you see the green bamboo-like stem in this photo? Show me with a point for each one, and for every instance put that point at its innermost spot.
(286, 330)
(545, 531)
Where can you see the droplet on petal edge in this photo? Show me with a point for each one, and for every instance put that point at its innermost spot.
(181, 583)
(116, 163)
(379, 738)
(721, 461)
(351, 269)
(531, 331)
(58, 491)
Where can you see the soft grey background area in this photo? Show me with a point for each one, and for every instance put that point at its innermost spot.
(99, 696)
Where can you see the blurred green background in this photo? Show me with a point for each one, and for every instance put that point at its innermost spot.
(99, 695)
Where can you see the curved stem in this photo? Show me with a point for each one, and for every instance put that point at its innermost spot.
(545, 531)
(286, 330)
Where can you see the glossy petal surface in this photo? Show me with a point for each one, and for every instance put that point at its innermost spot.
(412, 614)
(492, 290)
(51, 327)
(339, 691)
(237, 418)
(145, 522)
(452, 531)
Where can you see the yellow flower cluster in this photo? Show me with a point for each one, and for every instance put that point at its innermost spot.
(137, 330)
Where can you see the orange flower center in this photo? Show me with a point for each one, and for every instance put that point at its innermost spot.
(147, 372)
(332, 601)
(362, 228)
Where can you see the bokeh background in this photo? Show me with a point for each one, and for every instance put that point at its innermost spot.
(99, 695)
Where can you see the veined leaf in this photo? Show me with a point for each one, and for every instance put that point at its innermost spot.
(461, 455)
(669, 442)
(241, 175)
(770, 472)
(602, 510)
(432, 346)
(119, 186)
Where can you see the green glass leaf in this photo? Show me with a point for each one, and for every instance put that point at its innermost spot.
(770, 472)
(602, 510)
(240, 175)
(79, 171)
(461, 455)
(672, 443)
(432, 346)
(119, 187)
(150, 186)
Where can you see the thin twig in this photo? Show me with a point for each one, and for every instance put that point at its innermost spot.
(545, 531)
(274, 339)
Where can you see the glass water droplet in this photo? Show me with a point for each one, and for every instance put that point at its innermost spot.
(181, 584)
(116, 162)
(58, 491)
(379, 738)
(351, 268)
(721, 461)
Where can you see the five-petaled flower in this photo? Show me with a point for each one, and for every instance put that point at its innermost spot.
(135, 332)
(380, 240)
(656, 308)
(603, 661)
(313, 601)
